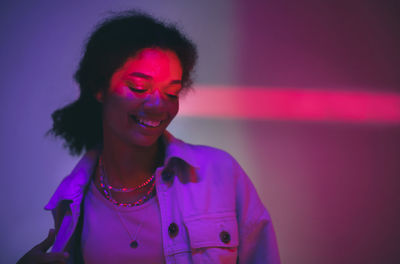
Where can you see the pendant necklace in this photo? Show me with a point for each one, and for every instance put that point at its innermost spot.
(107, 193)
(133, 238)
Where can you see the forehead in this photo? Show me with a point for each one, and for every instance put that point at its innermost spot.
(158, 63)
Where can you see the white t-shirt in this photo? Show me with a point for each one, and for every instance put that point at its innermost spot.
(106, 240)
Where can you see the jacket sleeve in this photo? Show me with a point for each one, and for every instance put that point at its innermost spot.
(257, 241)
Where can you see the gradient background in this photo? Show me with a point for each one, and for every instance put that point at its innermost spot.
(331, 186)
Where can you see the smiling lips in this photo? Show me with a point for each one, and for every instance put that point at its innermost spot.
(147, 122)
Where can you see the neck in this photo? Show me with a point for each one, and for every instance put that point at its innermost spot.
(129, 166)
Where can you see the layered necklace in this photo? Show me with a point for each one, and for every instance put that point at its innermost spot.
(107, 188)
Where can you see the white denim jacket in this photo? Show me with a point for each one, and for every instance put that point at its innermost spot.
(210, 211)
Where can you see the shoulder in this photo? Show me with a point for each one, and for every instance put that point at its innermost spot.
(73, 185)
(199, 156)
(207, 155)
(215, 166)
(212, 152)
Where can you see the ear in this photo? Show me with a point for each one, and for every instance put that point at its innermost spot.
(99, 96)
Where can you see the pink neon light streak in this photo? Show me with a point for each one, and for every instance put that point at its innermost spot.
(292, 104)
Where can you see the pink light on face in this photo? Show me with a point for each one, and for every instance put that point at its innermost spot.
(292, 104)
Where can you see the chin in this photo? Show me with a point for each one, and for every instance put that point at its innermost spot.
(144, 141)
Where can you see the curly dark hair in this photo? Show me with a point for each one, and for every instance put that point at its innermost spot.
(113, 41)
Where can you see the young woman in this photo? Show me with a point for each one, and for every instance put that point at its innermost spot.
(139, 195)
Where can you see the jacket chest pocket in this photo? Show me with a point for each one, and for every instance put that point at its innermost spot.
(213, 237)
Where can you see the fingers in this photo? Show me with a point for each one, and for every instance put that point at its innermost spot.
(36, 256)
(58, 257)
(48, 242)
(38, 253)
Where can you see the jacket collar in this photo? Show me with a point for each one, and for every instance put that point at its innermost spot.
(176, 148)
(73, 186)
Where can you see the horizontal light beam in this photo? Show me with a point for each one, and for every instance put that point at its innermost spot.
(291, 104)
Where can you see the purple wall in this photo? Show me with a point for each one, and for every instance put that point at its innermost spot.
(331, 188)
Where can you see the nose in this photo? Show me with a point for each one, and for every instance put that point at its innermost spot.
(155, 102)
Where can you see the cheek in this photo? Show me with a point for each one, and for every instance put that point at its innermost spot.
(122, 101)
(115, 109)
(173, 108)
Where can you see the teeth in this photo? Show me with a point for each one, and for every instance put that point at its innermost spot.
(149, 122)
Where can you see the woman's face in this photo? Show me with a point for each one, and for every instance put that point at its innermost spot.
(142, 98)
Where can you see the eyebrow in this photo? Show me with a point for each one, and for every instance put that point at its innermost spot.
(148, 77)
(141, 75)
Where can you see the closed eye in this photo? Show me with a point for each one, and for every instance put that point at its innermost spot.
(173, 96)
(137, 90)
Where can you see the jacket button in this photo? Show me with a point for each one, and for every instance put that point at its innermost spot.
(173, 230)
(225, 237)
